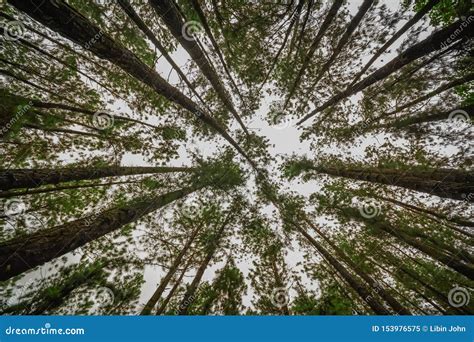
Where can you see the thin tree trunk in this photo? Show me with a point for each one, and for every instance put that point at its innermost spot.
(451, 261)
(127, 7)
(283, 44)
(395, 304)
(80, 30)
(32, 178)
(453, 219)
(363, 9)
(314, 46)
(279, 284)
(163, 305)
(188, 297)
(166, 279)
(446, 183)
(167, 11)
(23, 253)
(432, 43)
(426, 8)
(439, 90)
(363, 291)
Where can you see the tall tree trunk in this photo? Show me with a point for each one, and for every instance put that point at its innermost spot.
(363, 9)
(432, 43)
(454, 83)
(452, 219)
(283, 44)
(447, 183)
(314, 46)
(32, 178)
(166, 279)
(431, 115)
(65, 20)
(127, 7)
(168, 12)
(449, 260)
(9, 194)
(203, 19)
(395, 304)
(23, 253)
(425, 9)
(188, 297)
(362, 290)
(163, 305)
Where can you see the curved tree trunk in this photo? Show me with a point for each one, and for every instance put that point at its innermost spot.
(23, 253)
(32, 178)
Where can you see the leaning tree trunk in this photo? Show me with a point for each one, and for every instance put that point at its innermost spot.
(23, 253)
(32, 178)
(174, 267)
(432, 43)
(447, 183)
(449, 260)
(428, 6)
(167, 11)
(362, 290)
(394, 303)
(191, 290)
(312, 49)
(53, 14)
(344, 40)
(170, 295)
